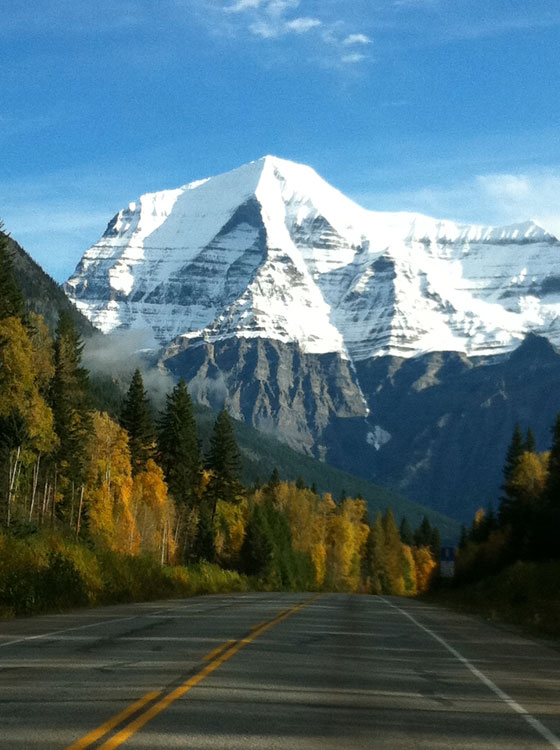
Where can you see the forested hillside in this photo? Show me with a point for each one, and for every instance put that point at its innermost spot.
(41, 293)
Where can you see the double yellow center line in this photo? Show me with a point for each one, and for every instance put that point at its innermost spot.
(214, 660)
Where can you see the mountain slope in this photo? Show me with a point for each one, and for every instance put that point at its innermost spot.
(42, 294)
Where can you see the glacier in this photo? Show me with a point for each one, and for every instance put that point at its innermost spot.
(270, 250)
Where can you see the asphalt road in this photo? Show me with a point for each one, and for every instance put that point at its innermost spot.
(275, 671)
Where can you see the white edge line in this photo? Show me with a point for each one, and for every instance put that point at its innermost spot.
(514, 705)
(68, 630)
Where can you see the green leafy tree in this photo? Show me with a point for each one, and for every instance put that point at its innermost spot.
(136, 418)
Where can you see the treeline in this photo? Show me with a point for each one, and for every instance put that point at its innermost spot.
(74, 478)
(526, 526)
(508, 561)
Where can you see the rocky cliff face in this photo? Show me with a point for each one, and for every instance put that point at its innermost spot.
(273, 386)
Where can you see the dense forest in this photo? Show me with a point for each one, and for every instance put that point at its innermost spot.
(106, 508)
(508, 561)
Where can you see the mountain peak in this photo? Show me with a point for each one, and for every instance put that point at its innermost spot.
(272, 250)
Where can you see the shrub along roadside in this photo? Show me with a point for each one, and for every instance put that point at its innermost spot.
(523, 594)
(46, 572)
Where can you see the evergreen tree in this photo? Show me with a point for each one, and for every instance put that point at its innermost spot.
(464, 537)
(423, 534)
(530, 443)
(258, 546)
(137, 421)
(71, 408)
(206, 535)
(178, 445)
(435, 544)
(407, 535)
(300, 483)
(224, 462)
(509, 497)
(274, 480)
(548, 521)
(552, 489)
(11, 299)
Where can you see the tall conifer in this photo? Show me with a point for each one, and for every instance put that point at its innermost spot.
(178, 445)
(137, 420)
(70, 403)
(224, 462)
(509, 498)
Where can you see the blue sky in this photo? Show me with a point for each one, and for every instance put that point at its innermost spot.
(449, 107)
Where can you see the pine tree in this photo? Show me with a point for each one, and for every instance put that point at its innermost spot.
(178, 445)
(530, 443)
(224, 462)
(549, 520)
(552, 489)
(274, 480)
(71, 407)
(258, 546)
(509, 497)
(137, 421)
(11, 299)
(407, 535)
(435, 544)
(300, 483)
(423, 534)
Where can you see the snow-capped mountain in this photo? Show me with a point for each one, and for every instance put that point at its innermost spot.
(270, 250)
(356, 336)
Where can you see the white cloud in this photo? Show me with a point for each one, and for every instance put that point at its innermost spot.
(352, 59)
(275, 19)
(496, 199)
(302, 25)
(242, 5)
(356, 39)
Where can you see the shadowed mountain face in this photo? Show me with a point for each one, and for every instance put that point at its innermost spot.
(42, 294)
(384, 343)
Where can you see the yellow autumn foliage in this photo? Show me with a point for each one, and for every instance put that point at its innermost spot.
(108, 490)
(154, 513)
(20, 382)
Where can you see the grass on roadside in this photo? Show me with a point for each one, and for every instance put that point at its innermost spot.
(526, 594)
(46, 572)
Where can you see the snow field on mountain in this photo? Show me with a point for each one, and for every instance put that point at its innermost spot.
(271, 250)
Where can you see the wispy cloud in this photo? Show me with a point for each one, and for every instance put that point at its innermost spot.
(324, 24)
(497, 199)
(352, 59)
(356, 39)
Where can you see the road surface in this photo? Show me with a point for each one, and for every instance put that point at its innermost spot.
(274, 671)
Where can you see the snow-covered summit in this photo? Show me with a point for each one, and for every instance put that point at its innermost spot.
(271, 250)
